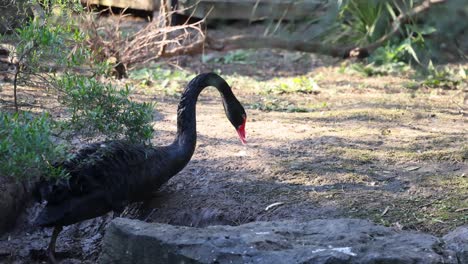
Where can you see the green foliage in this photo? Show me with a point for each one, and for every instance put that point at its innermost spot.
(236, 56)
(356, 22)
(102, 108)
(276, 104)
(395, 57)
(158, 74)
(168, 81)
(372, 69)
(363, 21)
(26, 148)
(53, 40)
(445, 77)
(42, 39)
(393, 53)
(281, 105)
(301, 84)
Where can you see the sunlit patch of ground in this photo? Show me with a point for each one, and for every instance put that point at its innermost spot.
(358, 147)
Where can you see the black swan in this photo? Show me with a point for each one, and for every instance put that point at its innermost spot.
(107, 176)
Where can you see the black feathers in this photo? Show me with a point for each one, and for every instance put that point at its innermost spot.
(102, 171)
(107, 176)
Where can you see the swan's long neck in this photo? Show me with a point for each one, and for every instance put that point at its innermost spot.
(186, 137)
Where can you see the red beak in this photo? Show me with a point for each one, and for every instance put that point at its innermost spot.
(241, 132)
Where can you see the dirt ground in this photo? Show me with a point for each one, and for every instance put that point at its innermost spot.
(366, 147)
(377, 148)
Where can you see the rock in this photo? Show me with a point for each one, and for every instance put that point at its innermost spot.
(457, 241)
(318, 241)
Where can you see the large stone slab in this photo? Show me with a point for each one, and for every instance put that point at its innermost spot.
(457, 240)
(318, 241)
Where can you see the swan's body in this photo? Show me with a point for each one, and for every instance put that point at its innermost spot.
(107, 176)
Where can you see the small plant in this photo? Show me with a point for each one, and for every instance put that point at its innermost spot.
(41, 45)
(166, 80)
(394, 53)
(363, 21)
(445, 77)
(372, 69)
(26, 147)
(236, 56)
(96, 107)
(158, 74)
(390, 59)
(275, 104)
(300, 84)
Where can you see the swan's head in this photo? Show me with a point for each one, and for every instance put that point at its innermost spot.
(236, 114)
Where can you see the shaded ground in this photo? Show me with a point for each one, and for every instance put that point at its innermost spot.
(322, 144)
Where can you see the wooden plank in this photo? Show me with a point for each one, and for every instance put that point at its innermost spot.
(147, 5)
(245, 9)
(228, 9)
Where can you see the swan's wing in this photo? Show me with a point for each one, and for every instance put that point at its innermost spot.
(82, 154)
(98, 182)
(100, 166)
(44, 188)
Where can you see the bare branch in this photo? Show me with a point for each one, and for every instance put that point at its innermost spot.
(150, 43)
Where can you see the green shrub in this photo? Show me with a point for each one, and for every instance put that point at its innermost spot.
(397, 55)
(170, 82)
(96, 108)
(300, 84)
(51, 49)
(373, 69)
(445, 77)
(26, 147)
(364, 21)
(275, 104)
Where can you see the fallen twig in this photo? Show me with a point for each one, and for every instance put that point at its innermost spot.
(273, 205)
(385, 211)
